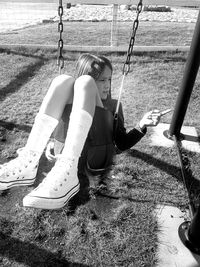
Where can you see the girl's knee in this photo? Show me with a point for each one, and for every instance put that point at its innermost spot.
(63, 80)
(85, 82)
(61, 89)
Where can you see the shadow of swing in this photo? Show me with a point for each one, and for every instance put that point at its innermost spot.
(14, 86)
(11, 125)
(160, 164)
(21, 51)
(29, 254)
(193, 184)
(21, 79)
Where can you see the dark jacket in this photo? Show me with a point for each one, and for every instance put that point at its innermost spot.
(102, 140)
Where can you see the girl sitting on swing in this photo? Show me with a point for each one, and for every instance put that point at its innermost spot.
(80, 112)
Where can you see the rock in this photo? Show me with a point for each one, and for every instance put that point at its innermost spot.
(124, 7)
(157, 8)
(153, 13)
(68, 5)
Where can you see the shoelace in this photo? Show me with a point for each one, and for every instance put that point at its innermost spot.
(60, 166)
(19, 163)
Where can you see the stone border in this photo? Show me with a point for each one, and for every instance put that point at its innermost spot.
(171, 251)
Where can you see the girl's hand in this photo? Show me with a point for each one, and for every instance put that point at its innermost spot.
(151, 118)
(48, 153)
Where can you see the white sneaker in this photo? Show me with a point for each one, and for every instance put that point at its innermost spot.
(20, 171)
(59, 186)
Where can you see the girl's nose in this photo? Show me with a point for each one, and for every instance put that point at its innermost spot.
(108, 84)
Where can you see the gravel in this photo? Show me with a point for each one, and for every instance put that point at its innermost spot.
(104, 13)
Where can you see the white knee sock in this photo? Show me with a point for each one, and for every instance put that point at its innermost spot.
(79, 126)
(41, 131)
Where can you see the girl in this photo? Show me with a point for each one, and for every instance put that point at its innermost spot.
(79, 110)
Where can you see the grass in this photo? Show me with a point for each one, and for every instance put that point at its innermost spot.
(116, 227)
(98, 33)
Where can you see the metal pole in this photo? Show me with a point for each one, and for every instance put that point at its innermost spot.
(189, 233)
(189, 77)
(114, 27)
(185, 175)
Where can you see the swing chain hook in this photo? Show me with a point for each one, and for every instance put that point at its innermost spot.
(126, 67)
(60, 58)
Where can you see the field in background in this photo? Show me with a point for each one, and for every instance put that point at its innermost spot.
(37, 23)
(98, 34)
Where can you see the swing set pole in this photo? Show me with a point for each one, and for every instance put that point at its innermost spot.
(188, 231)
(189, 77)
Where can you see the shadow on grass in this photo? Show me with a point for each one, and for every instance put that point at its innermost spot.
(10, 126)
(21, 79)
(192, 184)
(148, 57)
(40, 53)
(22, 51)
(27, 253)
(30, 254)
(160, 164)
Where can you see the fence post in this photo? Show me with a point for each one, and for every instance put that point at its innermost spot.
(114, 27)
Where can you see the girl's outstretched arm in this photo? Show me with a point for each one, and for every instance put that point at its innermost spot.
(123, 139)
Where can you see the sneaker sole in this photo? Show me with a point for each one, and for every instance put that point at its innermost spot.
(50, 203)
(6, 186)
(30, 179)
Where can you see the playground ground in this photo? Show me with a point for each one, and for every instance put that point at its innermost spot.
(118, 229)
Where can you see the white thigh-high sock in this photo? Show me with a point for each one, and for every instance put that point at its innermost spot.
(79, 126)
(62, 182)
(41, 131)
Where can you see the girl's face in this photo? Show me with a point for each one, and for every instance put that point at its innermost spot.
(104, 83)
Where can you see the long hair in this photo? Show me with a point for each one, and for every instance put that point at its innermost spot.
(91, 65)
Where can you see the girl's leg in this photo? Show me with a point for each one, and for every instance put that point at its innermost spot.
(22, 170)
(59, 94)
(86, 95)
(62, 182)
(86, 98)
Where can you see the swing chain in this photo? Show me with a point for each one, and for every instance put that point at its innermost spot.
(126, 67)
(60, 58)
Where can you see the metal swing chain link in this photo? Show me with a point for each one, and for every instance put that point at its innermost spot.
(126, 67)
(60, 58)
